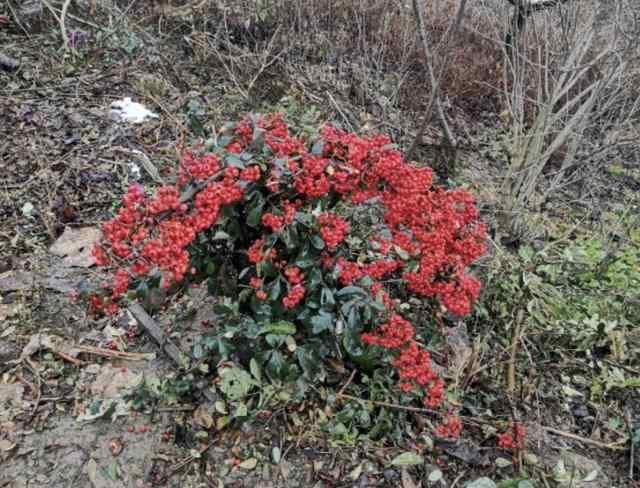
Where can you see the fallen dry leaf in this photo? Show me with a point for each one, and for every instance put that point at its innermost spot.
(202, 417)
(74, 245)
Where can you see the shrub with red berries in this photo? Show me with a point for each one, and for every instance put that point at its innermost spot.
(284, 215)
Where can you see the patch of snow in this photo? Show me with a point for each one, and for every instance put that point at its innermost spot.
(129, 111)
(134, 171)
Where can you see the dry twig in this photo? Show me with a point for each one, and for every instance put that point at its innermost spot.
(156, 333)
(109, 353)
(616, 446)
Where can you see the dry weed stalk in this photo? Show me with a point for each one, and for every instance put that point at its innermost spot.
(566, 87)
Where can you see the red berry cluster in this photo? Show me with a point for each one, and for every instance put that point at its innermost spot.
(274, 222)
(333, 229)
(412, 361)
(451, 427)
(512, 438)
(294, 296)
(251, 173)
(198, 168)
(393, 334)
(349, 271)
(294, 275)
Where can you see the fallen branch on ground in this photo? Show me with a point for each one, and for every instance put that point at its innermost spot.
(145, 320)
(109, 353)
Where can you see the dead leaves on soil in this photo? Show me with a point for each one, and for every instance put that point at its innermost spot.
(75, 246)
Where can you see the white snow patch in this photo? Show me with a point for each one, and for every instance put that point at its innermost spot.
(134, 170)
(129, 111)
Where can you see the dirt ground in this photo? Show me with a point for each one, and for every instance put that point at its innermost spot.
(65, 417)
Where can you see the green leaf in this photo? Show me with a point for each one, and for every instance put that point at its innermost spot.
(309, 362)
(277, 366)
(435, 476)
(317, 242)
(276, 455)
(142, 290)
(351, 290)
(290, 237)
(254, 367)
(274, 292)
(221, 309)
(275, 341)
(326, 297)
(353, 318)
(305, 263)
(315, 278)
(235, 383)
(224, 140)
(321, 322)
(282, 327)
(245, 294)
(407, 459)
(402, 254)
(526, 484)
(254, 215)
(112, 471)
(352, 342)
(196, 125)
(241, 410)
(198, 351)
(347, 306)
(211, 268)
(234, 160)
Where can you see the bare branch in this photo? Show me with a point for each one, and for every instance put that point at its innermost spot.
(435, 99)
